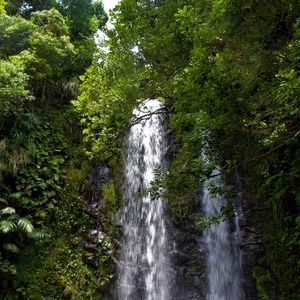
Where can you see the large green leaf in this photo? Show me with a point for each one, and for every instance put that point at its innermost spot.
(25, 225)
(7, 211)
(11, 248)
(36, 234)
(7, 226)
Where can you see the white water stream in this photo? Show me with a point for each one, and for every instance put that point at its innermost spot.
(142, 273)
(222, 258)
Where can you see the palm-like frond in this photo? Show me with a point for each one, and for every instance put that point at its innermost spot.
(25, 225)
(11, 248)
(7, 211)
(1, 199)
(36, 234)
(18, 158)
(7, 226)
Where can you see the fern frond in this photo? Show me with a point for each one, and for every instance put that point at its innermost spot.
(3, 201)
(37, 234)
(25, 225)
(18, 158)
(7, 211)
(11, 248)
(7, 226)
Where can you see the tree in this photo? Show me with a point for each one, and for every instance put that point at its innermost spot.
(26, 7)
(40, 61)
(85, 17)
(53, 51)
(149, 29)
(15, 33)
(14, 93)
(2, 6)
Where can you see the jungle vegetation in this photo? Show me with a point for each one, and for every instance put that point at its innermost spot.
(228, 72)
(44, 47)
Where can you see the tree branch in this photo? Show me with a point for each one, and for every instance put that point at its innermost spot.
(146, 116)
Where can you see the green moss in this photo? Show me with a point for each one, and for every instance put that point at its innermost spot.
(62, 275)
(109, 199)
(78, 173)
(116, 165)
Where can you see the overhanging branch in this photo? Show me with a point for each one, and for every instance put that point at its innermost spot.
(146, 116)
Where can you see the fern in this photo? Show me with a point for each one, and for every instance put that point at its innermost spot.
(7, 226)
(25, 225)
(3, 201)
(36, 234)
(7, 211)
(11, 248)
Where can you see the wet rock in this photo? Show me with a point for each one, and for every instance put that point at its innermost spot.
(171, 144)
(95, 236)
(251, 241)
(91, 260)
(100, 236)
(91, 235)
(91, 243)
(90, 247)
(98, 175)
(188, 263)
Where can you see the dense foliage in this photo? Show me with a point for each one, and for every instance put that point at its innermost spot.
(229, 73)
(44, 47)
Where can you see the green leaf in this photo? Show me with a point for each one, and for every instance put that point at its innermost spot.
(3, 201)
(11, 248)
(37, 234)
(25, 225)
(7, 226)
(7, 211)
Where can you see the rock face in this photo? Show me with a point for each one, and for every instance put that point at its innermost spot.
(93, 237)
(251, 239)
(187, 263)
(187, 257)
(92, 193)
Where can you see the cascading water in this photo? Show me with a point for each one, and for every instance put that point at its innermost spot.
(145, 271)
(221, 255)
(142, 271)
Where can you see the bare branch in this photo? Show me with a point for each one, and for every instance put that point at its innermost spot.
(146, 116)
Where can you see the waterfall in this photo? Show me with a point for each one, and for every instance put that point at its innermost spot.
(142, 272)
(221, 250)
(145, 271)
